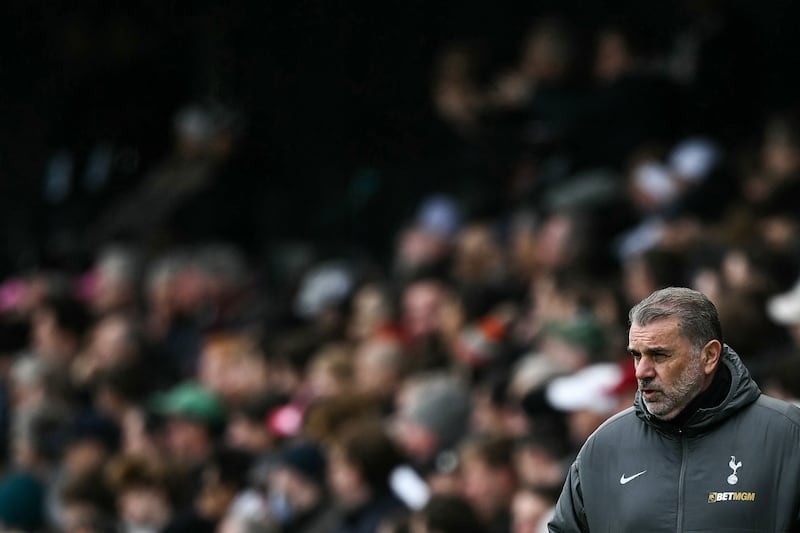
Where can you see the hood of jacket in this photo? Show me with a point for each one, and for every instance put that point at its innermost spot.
(743, 391)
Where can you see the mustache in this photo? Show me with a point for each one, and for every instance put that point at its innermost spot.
(646, 384)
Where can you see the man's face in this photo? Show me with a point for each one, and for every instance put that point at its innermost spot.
(669, 371)
(187, 440)
(421, 305)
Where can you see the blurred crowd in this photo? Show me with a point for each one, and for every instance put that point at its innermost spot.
(181, 379)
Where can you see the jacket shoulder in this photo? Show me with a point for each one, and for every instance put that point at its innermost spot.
(779, 408)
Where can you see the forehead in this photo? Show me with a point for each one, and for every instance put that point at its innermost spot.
(663, 331)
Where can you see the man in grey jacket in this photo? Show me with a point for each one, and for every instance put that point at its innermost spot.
(701, 449)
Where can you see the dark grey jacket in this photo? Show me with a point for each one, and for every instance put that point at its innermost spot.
(733, 467)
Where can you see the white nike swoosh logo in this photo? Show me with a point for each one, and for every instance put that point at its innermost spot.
(623, 479)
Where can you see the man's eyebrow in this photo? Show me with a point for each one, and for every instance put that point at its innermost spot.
(655, 350)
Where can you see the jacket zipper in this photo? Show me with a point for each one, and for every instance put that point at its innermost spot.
(681, 478)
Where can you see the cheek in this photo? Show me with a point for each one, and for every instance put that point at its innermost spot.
(673, 371)
(665, 372)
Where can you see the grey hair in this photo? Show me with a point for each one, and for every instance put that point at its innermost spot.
(699, 320)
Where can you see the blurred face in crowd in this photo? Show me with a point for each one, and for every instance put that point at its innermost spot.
(370, 311)
(452, 316)
(84, 456)
(522, 249)
(488, 489)
(779, 155)
(77, 515)
(188, 441)
(418, 248)
(49, 340)
(553, 241)
(421, 303)
(298, 494)
(161, 302)
(330, 373)
(111, 341)
(112, 292)
(233, 369)
(477, 256)
(528, 512)
(377, 367)
(535, 467)
(344, 479)
(455, 93)
(191, 289)
(544, 56)
(669, 369)
(613, 57)
(144, 507)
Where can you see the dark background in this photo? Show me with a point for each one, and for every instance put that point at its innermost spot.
(335, 95)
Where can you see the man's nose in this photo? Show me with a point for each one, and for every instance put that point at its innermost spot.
(645, 368)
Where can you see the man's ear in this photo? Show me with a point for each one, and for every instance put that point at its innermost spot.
(710, 355)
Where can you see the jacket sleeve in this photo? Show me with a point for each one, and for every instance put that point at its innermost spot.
(569, 514)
